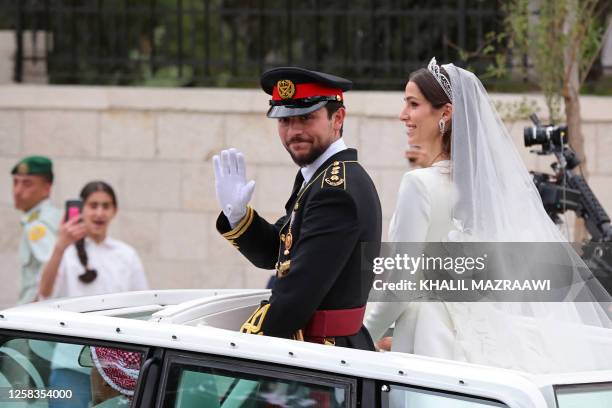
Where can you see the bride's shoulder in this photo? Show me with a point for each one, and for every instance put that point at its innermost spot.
(424, 175)
(415, 181)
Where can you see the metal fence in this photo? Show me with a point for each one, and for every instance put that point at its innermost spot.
(230, 42)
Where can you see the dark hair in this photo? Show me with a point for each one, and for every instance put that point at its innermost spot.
(92, 187)
(433, 92)
(332, 107)
(48, 177)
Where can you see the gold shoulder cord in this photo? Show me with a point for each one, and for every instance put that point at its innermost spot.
(254, 323)
(288, 238)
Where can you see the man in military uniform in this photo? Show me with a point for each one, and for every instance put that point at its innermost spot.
(32, 181)
(322, 280)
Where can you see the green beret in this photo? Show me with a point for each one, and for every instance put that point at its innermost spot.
(34, 165)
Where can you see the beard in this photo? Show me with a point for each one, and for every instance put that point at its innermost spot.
(308, 158)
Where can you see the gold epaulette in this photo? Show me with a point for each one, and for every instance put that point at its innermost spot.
(34, 216)
(335, 175)
(241, 228)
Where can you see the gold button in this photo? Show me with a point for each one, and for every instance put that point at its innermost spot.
(336, 163)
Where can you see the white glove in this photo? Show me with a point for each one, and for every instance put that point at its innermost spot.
(233, 190)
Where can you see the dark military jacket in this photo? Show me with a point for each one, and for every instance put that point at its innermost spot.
(316, 246)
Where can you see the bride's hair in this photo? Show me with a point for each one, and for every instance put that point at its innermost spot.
(433, 92)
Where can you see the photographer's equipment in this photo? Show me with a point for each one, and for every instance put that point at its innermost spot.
(567, 191)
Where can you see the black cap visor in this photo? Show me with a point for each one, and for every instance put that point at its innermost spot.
(285, 111)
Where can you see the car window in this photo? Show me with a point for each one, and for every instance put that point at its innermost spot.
(217, 386)
(46, 373)
(399, 396)
(584, 395)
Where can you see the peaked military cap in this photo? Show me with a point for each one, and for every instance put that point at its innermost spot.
(297, 91)
(39, 165)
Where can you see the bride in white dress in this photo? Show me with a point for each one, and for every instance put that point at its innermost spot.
(476, 188)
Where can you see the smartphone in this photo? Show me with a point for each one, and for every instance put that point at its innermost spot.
(73, 209)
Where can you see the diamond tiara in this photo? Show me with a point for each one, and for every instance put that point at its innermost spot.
(434, 68)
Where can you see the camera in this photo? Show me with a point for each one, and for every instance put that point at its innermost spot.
(545, 135)
(567, 190)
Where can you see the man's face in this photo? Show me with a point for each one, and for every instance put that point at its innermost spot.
(306, 137)
(29, 190)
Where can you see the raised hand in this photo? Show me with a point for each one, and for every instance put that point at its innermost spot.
(233, 190)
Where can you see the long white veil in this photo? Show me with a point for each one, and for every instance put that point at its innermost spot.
(497, 201)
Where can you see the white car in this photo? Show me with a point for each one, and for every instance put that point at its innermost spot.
(181, 348)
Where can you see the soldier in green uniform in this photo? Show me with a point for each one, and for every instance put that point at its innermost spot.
(32, 181)
(322, 280)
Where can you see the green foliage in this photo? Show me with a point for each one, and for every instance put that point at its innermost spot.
(515, 111)
(555, 34)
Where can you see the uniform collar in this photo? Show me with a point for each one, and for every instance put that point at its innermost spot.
(310, 170)
(34, 212)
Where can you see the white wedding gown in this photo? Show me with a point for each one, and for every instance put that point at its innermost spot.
(476, 332)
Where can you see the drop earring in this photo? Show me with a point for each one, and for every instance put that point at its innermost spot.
(441, 125)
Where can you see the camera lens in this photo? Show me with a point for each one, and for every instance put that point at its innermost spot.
(530, 136)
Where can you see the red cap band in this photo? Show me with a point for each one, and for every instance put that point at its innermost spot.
(307, 91)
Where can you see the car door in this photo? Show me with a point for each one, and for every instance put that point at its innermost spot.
(196, 380)
(48, 371)
(401, 395)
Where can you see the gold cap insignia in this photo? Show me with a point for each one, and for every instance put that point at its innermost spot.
(23, 168)
(286, 88)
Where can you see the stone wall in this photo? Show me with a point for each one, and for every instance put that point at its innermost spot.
(155, 147)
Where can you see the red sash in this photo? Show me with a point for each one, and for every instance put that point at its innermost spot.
(334, 323)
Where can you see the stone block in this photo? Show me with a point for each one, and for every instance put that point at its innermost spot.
(388, 185)
(590, 132)
(189, 135)
(10, 132)
(600, 185)
(172, 274)
(71, 175)
(382, 142)
(198, 186)
(6, 182)
(257, 137)
(255, 278)
(60, 133)
(152, 185)
(141, 230)
(371, 104)
(604, 149)
(214, 100)
(220, 276)
(77, 98)
(7, 53)
(10, 275)
(184, 236)
(11, 229)
(351, 132)
(220, 252)
(273, 186)
(127, 135)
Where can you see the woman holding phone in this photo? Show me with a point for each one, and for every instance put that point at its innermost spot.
(85, 260)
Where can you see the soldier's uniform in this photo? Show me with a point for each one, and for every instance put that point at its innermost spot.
(322, 281)
(40, 226)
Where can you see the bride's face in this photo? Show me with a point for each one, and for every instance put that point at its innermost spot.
(421, 120)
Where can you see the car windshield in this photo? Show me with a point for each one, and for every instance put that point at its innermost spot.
(584, 395)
